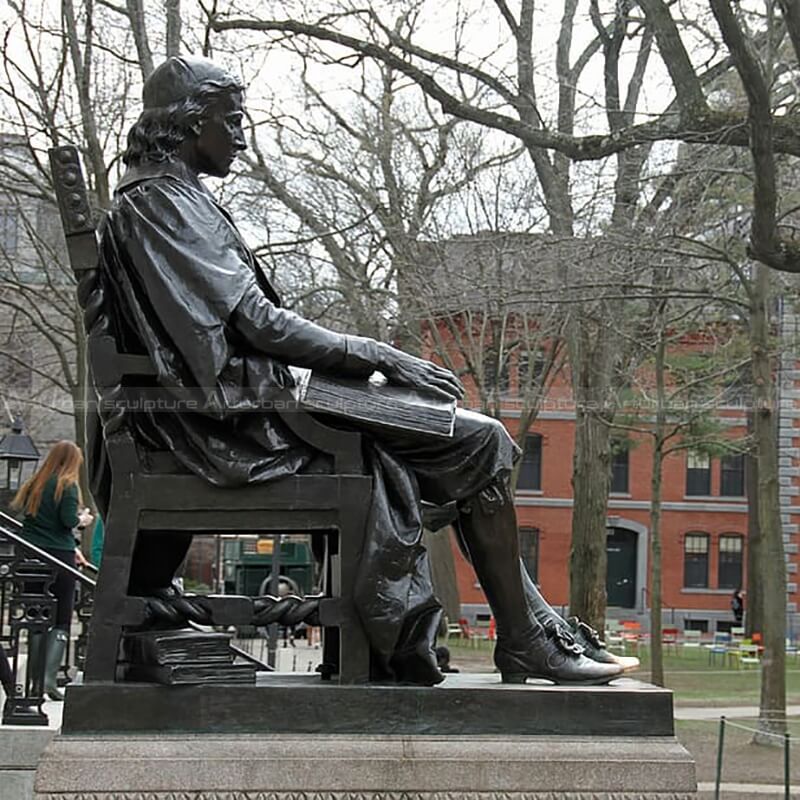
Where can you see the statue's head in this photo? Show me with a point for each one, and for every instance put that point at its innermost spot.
(192, 110)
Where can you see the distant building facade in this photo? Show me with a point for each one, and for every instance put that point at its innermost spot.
(37, 302)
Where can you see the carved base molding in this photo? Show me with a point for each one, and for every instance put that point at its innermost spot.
(370, 796)
(358, 767)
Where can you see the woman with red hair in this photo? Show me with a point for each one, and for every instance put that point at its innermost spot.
(51, 500)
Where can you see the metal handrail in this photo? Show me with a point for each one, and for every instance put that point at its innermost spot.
(30, 607)
(42, 554)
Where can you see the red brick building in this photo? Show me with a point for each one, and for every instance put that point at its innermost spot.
(704, 527)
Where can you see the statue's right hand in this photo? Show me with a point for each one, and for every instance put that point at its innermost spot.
(402, 369)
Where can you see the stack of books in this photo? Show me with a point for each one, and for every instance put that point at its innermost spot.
(183, 656)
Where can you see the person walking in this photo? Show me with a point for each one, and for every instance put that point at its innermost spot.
(737, 606)
(51, 501)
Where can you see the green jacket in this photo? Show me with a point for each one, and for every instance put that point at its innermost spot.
(52, 526)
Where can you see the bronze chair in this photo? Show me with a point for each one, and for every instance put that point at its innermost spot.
(148, 493)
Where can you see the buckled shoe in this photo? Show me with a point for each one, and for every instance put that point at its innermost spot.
(551, 653)
(595, 648)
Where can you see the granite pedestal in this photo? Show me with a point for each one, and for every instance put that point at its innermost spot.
(296, 738)
(21, 749)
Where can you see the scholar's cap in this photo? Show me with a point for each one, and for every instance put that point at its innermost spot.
(180, 77)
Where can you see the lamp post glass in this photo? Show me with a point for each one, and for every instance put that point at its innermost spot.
(16, 451)
(14, 472)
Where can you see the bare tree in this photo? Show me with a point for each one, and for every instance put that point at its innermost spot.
(713, 215)
(692, 354)
(65, 83)
(481, 92)
(38, 337)
(485, 310)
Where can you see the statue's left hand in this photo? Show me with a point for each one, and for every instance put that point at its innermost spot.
(403, 369)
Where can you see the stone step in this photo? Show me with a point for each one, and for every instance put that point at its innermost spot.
(341, 767)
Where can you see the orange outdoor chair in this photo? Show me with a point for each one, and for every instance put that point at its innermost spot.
(631, 633)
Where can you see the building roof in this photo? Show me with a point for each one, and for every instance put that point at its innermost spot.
(503, 270)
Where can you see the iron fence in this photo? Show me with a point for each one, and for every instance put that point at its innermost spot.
(27, 611)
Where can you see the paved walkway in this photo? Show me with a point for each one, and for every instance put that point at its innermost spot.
(733, 712)
(748, 789)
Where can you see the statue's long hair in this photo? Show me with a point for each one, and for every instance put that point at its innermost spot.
(159, 132)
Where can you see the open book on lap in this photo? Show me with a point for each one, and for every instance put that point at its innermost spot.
(376, 402)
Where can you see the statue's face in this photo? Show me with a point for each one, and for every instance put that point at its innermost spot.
(221, 137)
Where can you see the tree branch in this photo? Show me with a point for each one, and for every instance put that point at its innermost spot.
(705, 127)
(136, 15)
(691, 100)
(765, 244)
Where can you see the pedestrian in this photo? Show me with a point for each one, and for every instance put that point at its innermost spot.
(51, 501)
(737, 606)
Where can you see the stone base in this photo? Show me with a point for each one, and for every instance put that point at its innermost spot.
(292, 767)
(465, 704)
(20, 751)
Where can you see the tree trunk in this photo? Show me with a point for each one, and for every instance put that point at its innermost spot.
(656, 650)
(173, 14)
(753, 598)
(772, 709)
(137, 17)
(591, 474)
(82, 65)
(588, 555)
(443, 571)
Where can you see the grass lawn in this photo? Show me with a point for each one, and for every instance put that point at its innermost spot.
(695, 682)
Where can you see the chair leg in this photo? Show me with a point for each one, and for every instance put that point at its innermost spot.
(105, 632)
(353, 643)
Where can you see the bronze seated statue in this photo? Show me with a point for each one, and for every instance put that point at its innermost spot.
(178, 283)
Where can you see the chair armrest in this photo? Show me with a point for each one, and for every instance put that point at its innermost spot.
(109, 366)
(344, 446)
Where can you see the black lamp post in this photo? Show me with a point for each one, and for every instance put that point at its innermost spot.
(16, 451)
